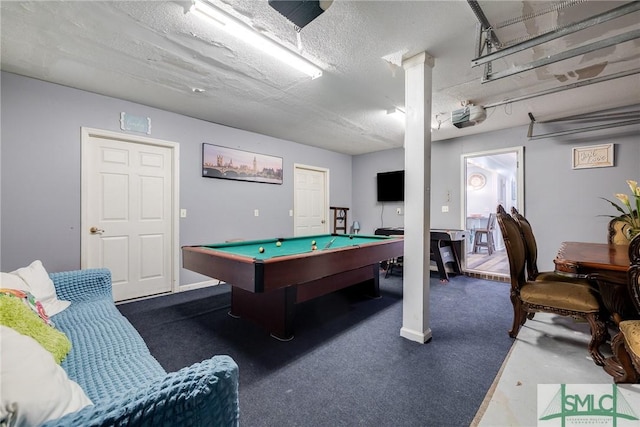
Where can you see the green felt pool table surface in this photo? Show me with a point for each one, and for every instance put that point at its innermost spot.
(292, 245)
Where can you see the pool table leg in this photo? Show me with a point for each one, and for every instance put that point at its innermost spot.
(273, 310)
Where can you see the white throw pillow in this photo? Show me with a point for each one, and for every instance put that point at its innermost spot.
(34, 387)
(12, 281)
(39, 284)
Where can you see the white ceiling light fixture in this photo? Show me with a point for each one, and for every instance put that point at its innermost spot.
(396, 113)
(249, 35)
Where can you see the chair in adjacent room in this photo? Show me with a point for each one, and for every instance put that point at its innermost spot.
(394, 264)
(562, 298)
(487, 242)
(624, 367)
(532, 256)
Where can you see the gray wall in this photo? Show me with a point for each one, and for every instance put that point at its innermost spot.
(40, 174)
(562, 204)
(40, 178)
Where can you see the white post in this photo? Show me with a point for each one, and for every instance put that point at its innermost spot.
(417, 205)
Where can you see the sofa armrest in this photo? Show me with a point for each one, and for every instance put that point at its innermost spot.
(204, 394)
(82, 285)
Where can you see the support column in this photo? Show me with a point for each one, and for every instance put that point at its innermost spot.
(417, 205)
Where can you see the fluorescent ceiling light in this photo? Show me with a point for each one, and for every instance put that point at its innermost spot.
(249, 35)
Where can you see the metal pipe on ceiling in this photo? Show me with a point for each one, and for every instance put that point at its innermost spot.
(566, 87)
(572, 131)
(597, 117)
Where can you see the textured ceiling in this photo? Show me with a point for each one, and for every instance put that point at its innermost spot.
(157, 54)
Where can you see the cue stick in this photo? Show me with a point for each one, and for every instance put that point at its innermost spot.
(328, 245)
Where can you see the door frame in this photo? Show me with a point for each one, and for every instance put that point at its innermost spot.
(519, 150)
(519, 174)
(325, 174)
(86, 134)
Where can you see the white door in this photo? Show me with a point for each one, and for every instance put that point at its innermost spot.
(128, 211)
(311, 200)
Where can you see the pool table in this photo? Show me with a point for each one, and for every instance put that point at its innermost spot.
(266, 285)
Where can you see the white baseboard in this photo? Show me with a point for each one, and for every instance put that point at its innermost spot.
(199, 285)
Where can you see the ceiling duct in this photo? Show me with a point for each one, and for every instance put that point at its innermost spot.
(300, 12)
(468, 116)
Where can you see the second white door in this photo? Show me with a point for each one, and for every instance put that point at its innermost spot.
(311, 200)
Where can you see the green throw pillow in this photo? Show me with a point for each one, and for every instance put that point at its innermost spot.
(16, 315)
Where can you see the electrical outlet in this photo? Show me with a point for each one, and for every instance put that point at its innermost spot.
(445, 208)
(256, 212)
(399, 211)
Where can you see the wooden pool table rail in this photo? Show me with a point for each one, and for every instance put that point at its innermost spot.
(277, 272)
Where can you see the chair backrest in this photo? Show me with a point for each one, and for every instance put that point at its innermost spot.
(634, 271)
(491, 222)
(617, 232)
(530, 242)
(514, 244)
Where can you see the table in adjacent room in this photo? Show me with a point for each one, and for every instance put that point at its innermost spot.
(266, 285)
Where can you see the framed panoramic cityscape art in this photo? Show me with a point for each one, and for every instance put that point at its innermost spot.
(230, 163)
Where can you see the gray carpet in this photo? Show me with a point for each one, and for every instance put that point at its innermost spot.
(348, 364)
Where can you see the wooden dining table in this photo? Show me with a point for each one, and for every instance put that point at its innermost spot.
(582, 259)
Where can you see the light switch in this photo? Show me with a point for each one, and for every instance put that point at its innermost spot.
(290, 212)
(256, 212)
(183, 213)
(445, 208)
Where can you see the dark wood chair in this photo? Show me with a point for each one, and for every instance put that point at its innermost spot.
(532, 256)
(562, 298)
(617, 231)
(624, 366)
(487, 242)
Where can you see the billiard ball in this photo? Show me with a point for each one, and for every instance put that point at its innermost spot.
(314, 247)
(313, 242)
(278, 243)
(351, 237)
(261, 249)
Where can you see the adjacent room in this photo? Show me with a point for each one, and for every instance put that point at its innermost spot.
(314, 213)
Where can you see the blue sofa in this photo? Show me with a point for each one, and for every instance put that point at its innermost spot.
(126, 384)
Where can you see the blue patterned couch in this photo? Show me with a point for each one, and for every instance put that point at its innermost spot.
(126, 384)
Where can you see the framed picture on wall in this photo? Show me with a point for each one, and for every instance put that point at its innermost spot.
(592, 156)
(230, 163)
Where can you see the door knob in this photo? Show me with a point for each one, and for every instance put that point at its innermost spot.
(322, 222)
(96, 230)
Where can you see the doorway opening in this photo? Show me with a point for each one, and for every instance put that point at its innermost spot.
(489, 178)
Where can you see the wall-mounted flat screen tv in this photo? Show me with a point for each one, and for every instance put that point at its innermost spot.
(391, 186)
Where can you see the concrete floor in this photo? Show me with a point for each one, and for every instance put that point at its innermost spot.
(549, 349)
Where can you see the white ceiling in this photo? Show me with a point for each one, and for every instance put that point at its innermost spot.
(156, 53)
